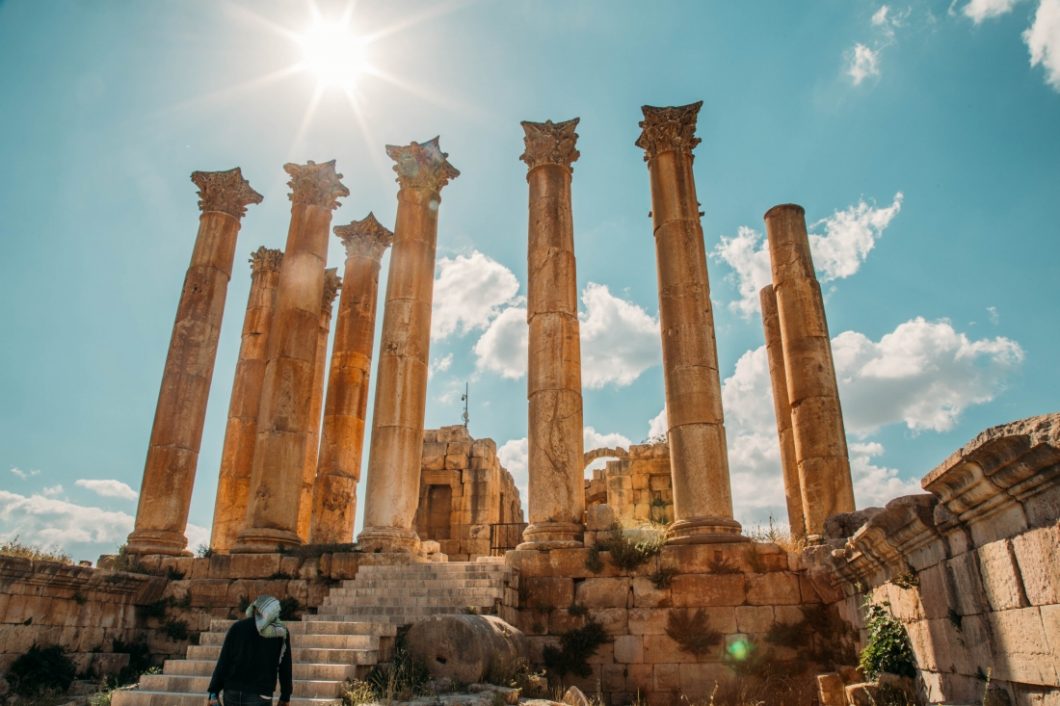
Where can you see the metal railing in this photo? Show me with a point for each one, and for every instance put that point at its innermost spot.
(505, 536)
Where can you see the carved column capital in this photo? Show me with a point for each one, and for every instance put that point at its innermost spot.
(265, 260)
(366, 237)
(550, 143)
(422, 165)
(315, 184)
(227, 192)
(668, 129)
(332, 283)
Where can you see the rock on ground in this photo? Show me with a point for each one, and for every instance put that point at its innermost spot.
(467, 648)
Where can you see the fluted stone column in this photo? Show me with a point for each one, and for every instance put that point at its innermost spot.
(698, 459)
(283, 418)
(788, 464)
(816, 417)
(342, 434)
(332, 283)
(173, 451)
(237, 454)
(401, 386)
(556, 494)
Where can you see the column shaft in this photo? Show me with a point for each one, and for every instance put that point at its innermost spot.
(401, 388)
(556, 494)
(284, 415)
(237, 454)
(696, 429)
(816, 416)
(782, 410)
(342, 434)
(173, 451)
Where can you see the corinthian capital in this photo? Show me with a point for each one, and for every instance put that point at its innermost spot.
(668, 129)
(265, 260)
(550, 143)
(315, 184)
(332, 282)
(227, 192)
(366, 237)
(422, 165)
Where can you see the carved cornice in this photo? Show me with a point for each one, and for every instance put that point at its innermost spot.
(332, 283)
(265, 260)
(315, 184)
(668, 129)
(366, 237)
(226, 192)
(422, 165)
(550, 143)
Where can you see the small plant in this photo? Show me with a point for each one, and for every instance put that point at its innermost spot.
(290, 608)
(720, 564)
(139, 661)
(400, 679)
(821, 636)
(155, 609)
(355, 692)
(906, 579)
(576, 647)
(955, 618)
(13, 547)
(577, 610)
(887, 648)
(626, 553)
(244, 603)
(691, 631)
(41, 670)
(130, 563)
(79, 597)
(204, 551)
(281, 575)
(174, 574)
(593, 561)
(176, 629)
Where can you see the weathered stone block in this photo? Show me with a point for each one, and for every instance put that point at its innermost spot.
(660, 649)
(698, 680)
(710, 590)
(629, 649)
(646, 595)
(1037, 553)
(1001, 581)
(599, 517)
(830, 690)
(604, 593)
(614, 620)
(754, 618)
(773, 589)
(548, 591)
(1020, 636)
(647, 621)
(667, 677)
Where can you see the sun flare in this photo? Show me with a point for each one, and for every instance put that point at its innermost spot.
(333, 54)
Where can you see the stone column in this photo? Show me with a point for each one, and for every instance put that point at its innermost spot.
(283, 418)
(556, 496)
(698, 459)
(173, 451)
(401, 386)
(237, 454)
(342, 436)
(332, 283)
(816, 417)
(788, 465)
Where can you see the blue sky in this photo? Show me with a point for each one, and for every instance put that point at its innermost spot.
(921, 138)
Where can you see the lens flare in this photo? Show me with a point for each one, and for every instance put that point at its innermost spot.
(333, 54)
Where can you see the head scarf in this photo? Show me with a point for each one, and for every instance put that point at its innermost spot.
(266, 613)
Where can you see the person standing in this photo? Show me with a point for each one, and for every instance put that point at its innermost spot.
(256, 651)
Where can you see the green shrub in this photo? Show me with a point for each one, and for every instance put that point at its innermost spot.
(290, 608)
(576, 647)
(41, 670)
(691, 631)
(887, 649)
(176, 629)
(13, 547)
(628, 553)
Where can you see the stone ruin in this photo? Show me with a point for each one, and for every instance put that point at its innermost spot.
(969, 568)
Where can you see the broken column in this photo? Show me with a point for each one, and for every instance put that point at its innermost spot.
(237, 454)
(332, 283)
(173, 451)
(283, 418)
(782, 409)
(556, 496)
(342, 434)
(696, 426)
(401, 388)
(816, 417)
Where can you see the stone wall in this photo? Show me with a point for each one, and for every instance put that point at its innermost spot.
(463, 491)
(972, 569)
(637, 486)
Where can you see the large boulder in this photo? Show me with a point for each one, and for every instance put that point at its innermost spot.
(467, 648)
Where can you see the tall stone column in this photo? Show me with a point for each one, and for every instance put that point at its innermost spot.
(556, 494)
(283, 418)
(816, 417)
(342, 435)
(237, 454)
(782, 409)
(401, 387)
(332, 283)
(173, 451)
(698, 458)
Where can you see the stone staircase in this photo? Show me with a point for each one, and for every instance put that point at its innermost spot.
(353, 629)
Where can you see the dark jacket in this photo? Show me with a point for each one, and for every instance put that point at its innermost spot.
(250, 662)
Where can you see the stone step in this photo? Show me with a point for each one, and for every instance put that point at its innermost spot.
(317, 689)
(370, 613)
(302, 671)
(325, 640)
(307, 655)
(440, 570)
(406, 574)
(319, 626)
(142, 697)
(456, 601)
(418, 589)
(373, 584)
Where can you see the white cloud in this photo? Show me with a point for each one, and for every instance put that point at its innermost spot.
(197, 536)
(880, 16)
(440, 365)
(469, 292)
(47, 522)
(107, 488)
(24, 474)
(979, 10)
(862, 63)
(848, 237)
(619, 341)
(875, 485)
(658, 425)
(515, 457)
(595, 440)
(52, 490)
(1043, 40)
(993, 314)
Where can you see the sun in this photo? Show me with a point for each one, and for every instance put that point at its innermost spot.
(333, 54)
